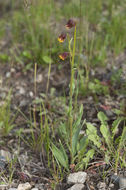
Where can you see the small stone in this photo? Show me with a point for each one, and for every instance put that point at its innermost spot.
(122, 183)
(77, 187)
(3, 187)
(8, 74)
(21, 90)
(40, 186)
(78, 177)
(2, 95)
(31, 94)
(111, 185)
(101, 186)
(23, 103)
(24, 186)
(5, 154)
(34, 189)
(39, 78)
(12, 189)
(13, 70)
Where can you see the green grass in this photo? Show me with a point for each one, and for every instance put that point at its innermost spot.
(34, 28)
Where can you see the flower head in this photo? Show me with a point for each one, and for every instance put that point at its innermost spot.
(64, 55)
(62, 37)
(70, 24)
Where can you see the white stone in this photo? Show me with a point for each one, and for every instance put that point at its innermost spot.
(78, 177)
(76, 187)
(8, 74)
(101, 186)
(21, 90)
(31, 94)
(12, 70)
(5, 154)
(39, 78)
(34, 189)
(12, 189)
(24, 186)
(122, 183)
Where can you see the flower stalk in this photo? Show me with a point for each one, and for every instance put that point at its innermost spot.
(71, 93)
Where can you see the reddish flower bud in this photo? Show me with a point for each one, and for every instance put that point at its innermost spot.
(62, 37)
(64, 55)
(70, 24)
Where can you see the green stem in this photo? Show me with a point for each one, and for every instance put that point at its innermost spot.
(71, 94)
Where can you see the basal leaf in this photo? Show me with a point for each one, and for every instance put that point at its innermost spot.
(115, 126)
(79, 119)
(123, 138)
(92, 134)
(89, 155)
(59, 155)
(106, 134)
(102, 117)
(75, 140)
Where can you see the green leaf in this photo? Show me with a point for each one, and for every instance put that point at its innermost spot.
(47, 59)
(115, 126)
(79, 119)
(64, 152)
(89, 155)
(75, 140)
(92, 134)
(123, 139)
(76, 130)
(106, 134)
(82, 145)
(102, 117)
(59, 156)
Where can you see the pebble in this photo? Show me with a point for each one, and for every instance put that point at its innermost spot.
(78, 177)
(5, 154)
(34, 189)
(21, 90)
(31, 94)
(40, 186)
(2, 95)
(12, 189)
(101, 186)
(39, 78)
(24, 103)
(12, 70)
(8, 74)
(76, 187)
(24, 186)
(122, 183)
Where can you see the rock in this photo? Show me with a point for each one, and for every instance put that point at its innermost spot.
(115, 179)
(5, 154)
(24, 103)
(12, 189)
(40, 186)
(78, 177)
(2, 95)
(24, 186)
(3, 187)
(101, 186)
(12, 70)
(21, 90)
(34, 189)
(122, 183)
(2, 162)
(39, 78)
(31, 94)
(8, 74)
(77, 187)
